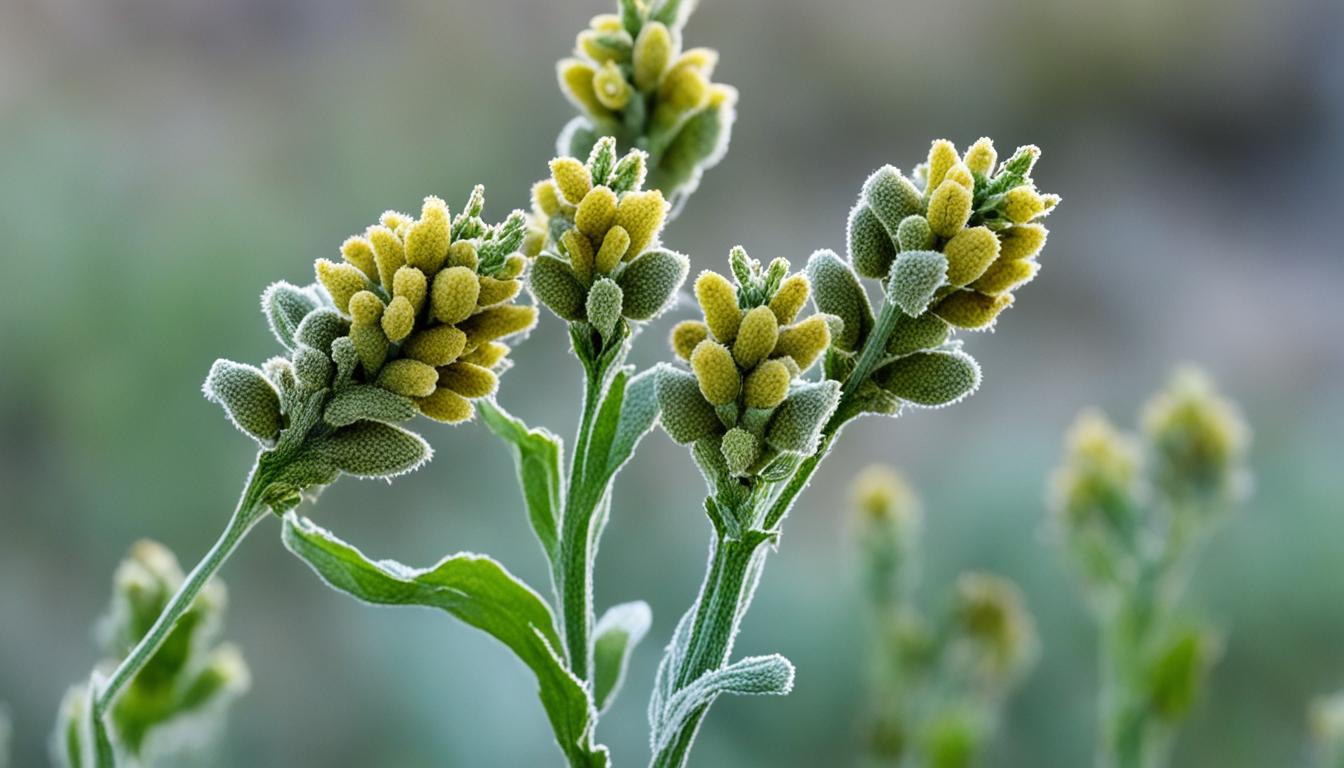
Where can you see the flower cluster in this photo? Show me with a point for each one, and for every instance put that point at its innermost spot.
(180, 695)
(597, 231)
(740, 401)
(631, 80)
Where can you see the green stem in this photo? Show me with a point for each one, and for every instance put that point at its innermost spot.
(250, 510)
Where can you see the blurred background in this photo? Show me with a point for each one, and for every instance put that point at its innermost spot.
(163, 160)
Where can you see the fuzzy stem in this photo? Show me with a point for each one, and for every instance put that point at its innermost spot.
(250, 510)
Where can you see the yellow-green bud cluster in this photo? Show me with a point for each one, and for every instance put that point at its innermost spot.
(993, 621)
(631, 80)
(744, 358)
(1198, 442)
(985, 222)
(185, 685)
(1099, 482)
(595, 233)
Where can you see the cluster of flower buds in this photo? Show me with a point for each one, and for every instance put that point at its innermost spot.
(178, 699)
(409, 322)
(631, 80)
(740, 401)
(597, 234)
(994, 628)
(1197, 444)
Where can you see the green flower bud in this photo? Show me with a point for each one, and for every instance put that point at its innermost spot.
(399, 318)
(1022, 204)
(969, 253)
(1098, 482)
(949, 208)
(446, 406)
(971, 310)
(468, 380)
(932, 379)
(582, 259)
(576, 82)
(767, 385)
(740, 449)
(545, 197)
(610, 88)
(596, 213)
(912, 334)
(653, 51)
(915, 279)
(797, 425)
(341, 281)
(991, 615)
(411, 283)
(962, 175)
(790, 299)
(718, 302)
(409, 378)
(891, 197)
(870, 247)
(487, 355)
(804, 342)
(285, 306)
(642, 215)
(498, 322)
(651, 281)
(435, 346)
(388, 253)
(615, 245)
(462, 254)
(571, 179)
(312, 368)
(913, 234)
(686, 416)
(454, 295)
(1198, 441)
(756, 337)
(373, 449)
(604, 305)
(427, 239)
(371, 344)
(553, 284)
(837, 291)
(716, 372)
(250, 401)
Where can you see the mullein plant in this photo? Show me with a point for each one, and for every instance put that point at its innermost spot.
(1131, 513)
(948, 245)
(178, 700)
(936, 684)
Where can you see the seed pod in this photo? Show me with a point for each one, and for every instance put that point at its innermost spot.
(387, 253)
(790, 299)
(1021, 242)
(411, 283)
(468, 380)
(756, 337)
(686, 417)
(604, 305)
(969, 253)
(740, 450)
(931, 379)
(686, 335)
(767, 385)
(576, 81)
(248, 398)
(980, 158)
(915, 278)
(359, 253)
(1022, 204)
(435, 346)
(871, 249)
(804, 342)
(447, 406)
(615, 245)
(797, 424)
(641, 214)
(837, 291)
(374, 449)
(942, 156)
(427, 239)
(972, 310)
(399, 318)
(653, 50)
(410, 378)
(341, 281)
(571, 178)
(650, 281)
(891, 197)
(456, 290)
(914, 234)
(610, 88)
(949, 209)
(911, 334)
(498, 322)
(554, 285)
(716, 373)
(595, 213)
(1004, 276)
(718, 302)
(496, 291)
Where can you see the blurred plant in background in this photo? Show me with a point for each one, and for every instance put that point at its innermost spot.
(935, 684)
(1132, 513)
(1326, 719)
(177, 703)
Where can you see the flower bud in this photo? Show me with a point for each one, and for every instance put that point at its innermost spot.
(891, 197)
(468, 380)
(912, 334)
(427, 239)
(571, 179)
(411, 283)
(971, 310)
(604, 305)
(1021, 242)
(358, 252)
(250, 401)
(435, 346)
(740, 450)
(1022, 204)
(496, 291)
(610, 88)
(686, 335)
(615, 245)
(498, 322)
(915, 279)
(718, 302)
(871, 249)
(446, 406)
(969, 253)
(454, 296)
(942, 156)
(653, 50)
(387, 253)
(1004, 276)
(790, 299)
(399, 318)
(980, 158)
(686, 416)
(797, 424)
(949, 208)
(409, 378)
(756, 337)
(1199, 441)
(767, 385)
(596, 213)
(805, 341)
(576, 82)
(716, 373)
(641, 214)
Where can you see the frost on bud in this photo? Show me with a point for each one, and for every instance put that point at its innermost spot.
(1022, 204)
(571, 179)
(949, 208)
(596, 213)
(248, 398)
(576, 81)
(686, 416)
(582, 258)
(604, 305)
(285, 306)
(610, 88)
(371, 344)
(912, 334)
(615, 245)
(554, 284)
(915, 278)
(312, 368)
(409, 378)
(767, 385)
(427, 239)
(891, 197)
(358, 252)
(373, 449)
(1198, 441)
(992, 616)
(454, 295)
(932, 379)
(716, 372)
(411, 283)
(871, 249)
(837, 291)
(981, 156)
(341, 281)
(641, 214)
(446, 406)
(686, 335)
(653, 51)
(942, 156)
(545, 197)
(388, 253)
(1021, 242)
(971, 310)
(321, 327)
(468, 380)
(797, 425)
(969, 253)
(914, 234)
(435, 346)
(740, 449)
(790, 299)
(756, 337)
(718, 302)
(496, 291)
(399, 318)
(498, 322)
(805, 341)
(650, 282)
(1004, 276)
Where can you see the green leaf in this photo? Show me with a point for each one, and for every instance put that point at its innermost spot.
(252, 404)
(364, 402)
(931, 379)
(537, 455)
(373, 449)
(478, 591)
(617, 633)
(915, 278)
(755, 675)
(285, 306)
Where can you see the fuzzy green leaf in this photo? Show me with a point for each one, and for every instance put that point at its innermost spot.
(871, 249)
(755, 675)
(912, 334)
(321, 327)
(687, 416)
(931, 379)
(248, 398)
(915, 277)
(614, 639)
(553, 284)
(362, 402)
(798, 422)
(285, 306)
(837, 291)
(372, 449)
(650, 281)
(537, 454)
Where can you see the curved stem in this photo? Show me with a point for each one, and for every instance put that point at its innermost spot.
(249, 511)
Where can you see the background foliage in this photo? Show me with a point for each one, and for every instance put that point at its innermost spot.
(164, 160)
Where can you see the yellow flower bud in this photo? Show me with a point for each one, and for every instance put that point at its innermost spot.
(615, 246)
(606, 22)
(881, 493)
(581, 256)
(427, 239)
(571, 178)
(487, 355)
(767, 385)
(962, 175)
(949, 208)
(495, 291)
(653, 51)
(718, 302)
(684, 88)
(398, 318)
(513, 267)
(359, 252)
(387, 252)
(1004, 276)
(686, 335)
(545, 197)
(805, 341)
(468, 380)
(394, 220)
(610, 87)
(409, 378)
(411, 283)
(701, 59)
(790, 299)
(435, 346)
(641, 214)
(715, 372)
(447, 406)
(969, 253)
(756, 337)
(576, 81)
(370, 344)
(454, 296)
(366, 308)
(462, 254)
(498, 322)
(1021, 242)
(595, 213)
(942, 156)
(342, 281)
(972, 310)
(980, 158)
(1022, 204)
